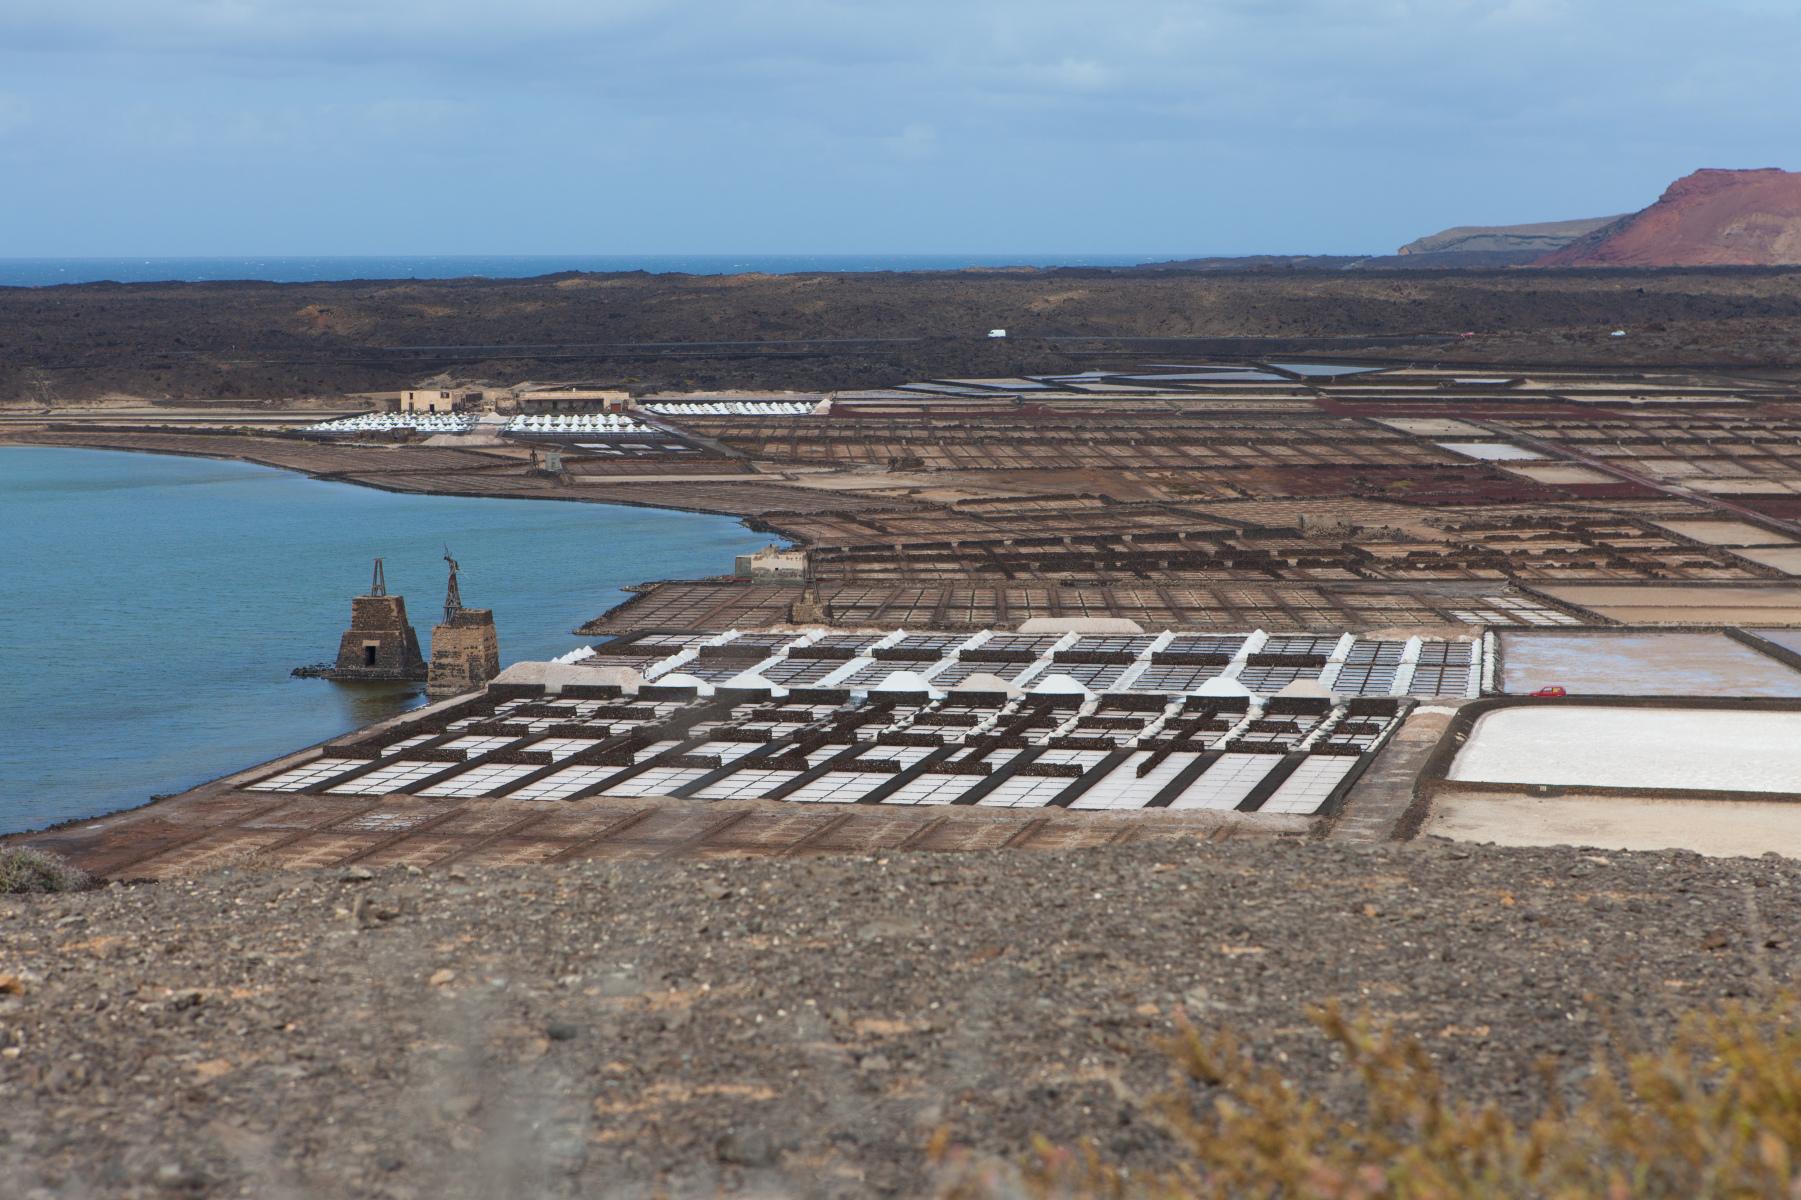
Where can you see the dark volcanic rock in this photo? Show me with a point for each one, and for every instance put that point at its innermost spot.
(219, 341)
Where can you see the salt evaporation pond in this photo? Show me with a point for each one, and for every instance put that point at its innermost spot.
(156, 606)
(1672, 748)
(1642, 664)
(1492, 451)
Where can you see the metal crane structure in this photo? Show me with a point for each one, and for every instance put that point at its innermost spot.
(453, 595)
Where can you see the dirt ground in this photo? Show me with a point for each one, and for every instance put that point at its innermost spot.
(798, 1027)
(1713, 826)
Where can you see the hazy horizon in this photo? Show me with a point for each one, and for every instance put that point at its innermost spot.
(188, 128)
(311, 268)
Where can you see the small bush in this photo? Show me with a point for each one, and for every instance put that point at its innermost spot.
(23, 872)
(1715, 1114)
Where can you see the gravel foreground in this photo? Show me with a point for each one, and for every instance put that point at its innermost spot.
(798, 1027)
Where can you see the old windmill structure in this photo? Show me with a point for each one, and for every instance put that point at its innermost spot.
(380, 645)
(465, 650)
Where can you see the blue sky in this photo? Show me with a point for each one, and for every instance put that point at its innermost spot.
(175, 127)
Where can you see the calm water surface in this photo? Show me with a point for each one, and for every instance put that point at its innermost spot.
(155, 606)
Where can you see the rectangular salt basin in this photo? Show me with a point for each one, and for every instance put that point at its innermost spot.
(1641, 664)
(1677, 603)
(1324, 369)
(1492, 451)
(1675, 749)
(1745, 487)
(1709, 826)
(1786, 559)
(1560, 473)
(1788, 639)
(1433, 426)
(1725, 533)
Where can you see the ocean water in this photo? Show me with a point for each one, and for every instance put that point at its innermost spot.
(43, 272)
(156, 605)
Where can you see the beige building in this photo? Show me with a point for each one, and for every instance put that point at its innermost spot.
(772, 564)
(439, 400)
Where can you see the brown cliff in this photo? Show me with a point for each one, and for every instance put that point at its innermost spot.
(1541, 237)
(1712, 218)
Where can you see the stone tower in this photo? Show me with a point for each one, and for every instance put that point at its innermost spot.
(380, 646)
(465, 652)
(809, 609)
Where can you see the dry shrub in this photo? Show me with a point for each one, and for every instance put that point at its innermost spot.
(24, 871)
(1716, 1113)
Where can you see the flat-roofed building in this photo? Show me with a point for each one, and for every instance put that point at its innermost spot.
(572, 399)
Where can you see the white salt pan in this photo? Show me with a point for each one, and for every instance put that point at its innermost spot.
(1635, 747)
(1492, 451)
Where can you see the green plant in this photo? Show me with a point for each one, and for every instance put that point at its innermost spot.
(1714, 1114)
(24, 871)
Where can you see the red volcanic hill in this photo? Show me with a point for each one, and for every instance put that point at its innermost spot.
(1708, 219)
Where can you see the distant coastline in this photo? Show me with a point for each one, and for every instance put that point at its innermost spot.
(267, 268)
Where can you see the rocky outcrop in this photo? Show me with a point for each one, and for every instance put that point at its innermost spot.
(1540, 238)
(1711, 218)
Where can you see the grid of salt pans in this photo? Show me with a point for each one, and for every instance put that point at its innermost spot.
(582, 423)
(382, 422)
(1261, 663)
(1099, 752)
(735, 408)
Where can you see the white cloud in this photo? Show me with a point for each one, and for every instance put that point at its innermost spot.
(1255, 114)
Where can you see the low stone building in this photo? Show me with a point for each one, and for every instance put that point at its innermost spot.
(772, 564)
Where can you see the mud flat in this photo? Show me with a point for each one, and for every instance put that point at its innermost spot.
(1666, 749)
(1641, 664)
(1713, 827)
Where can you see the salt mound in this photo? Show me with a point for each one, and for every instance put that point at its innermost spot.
(1060, 685)
(986, 681)
(683, 680)
(555, 676)
(752, 681)
(904, 681)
